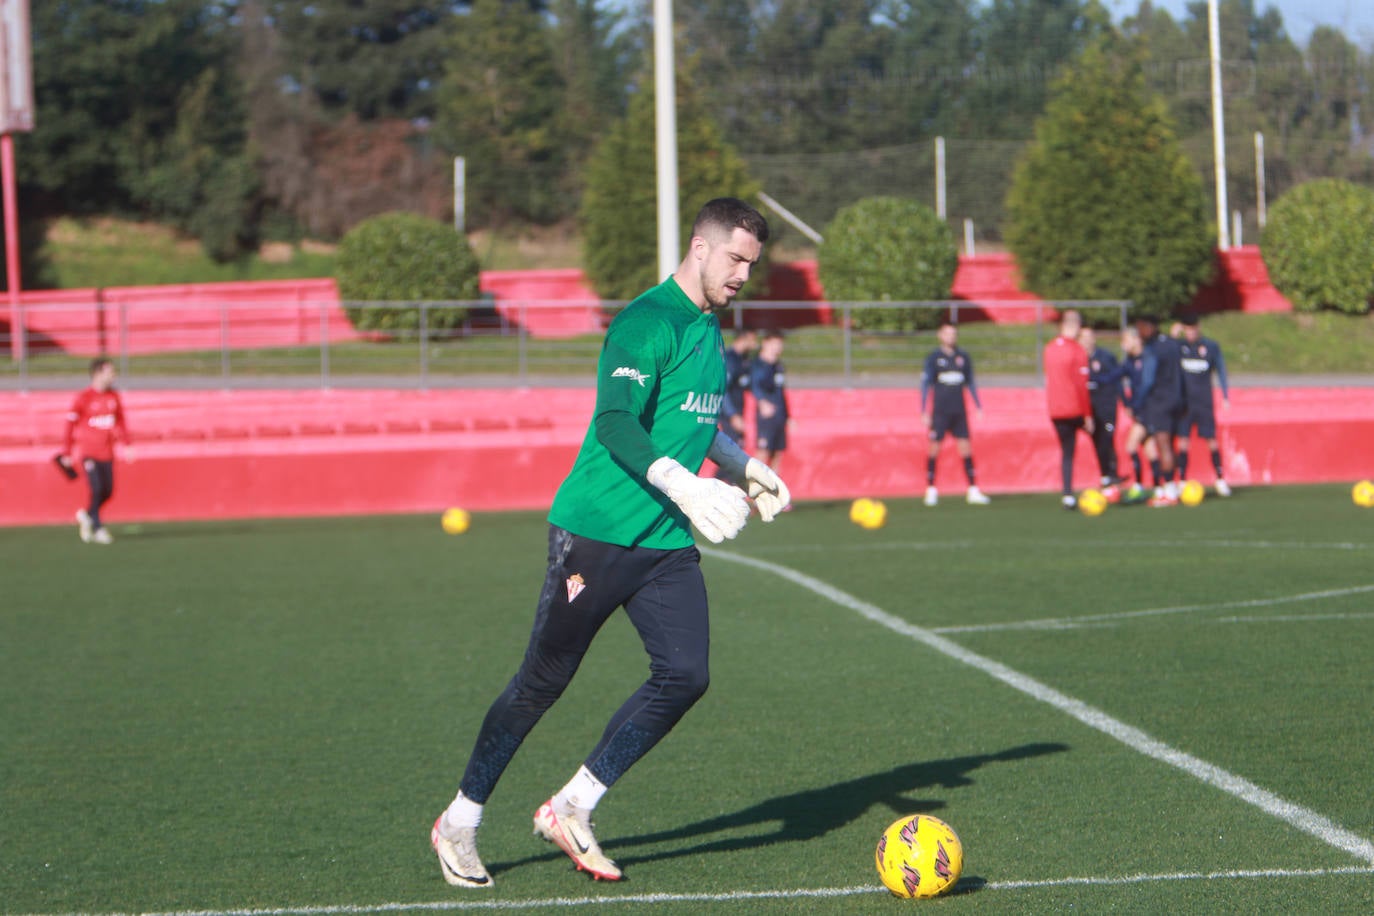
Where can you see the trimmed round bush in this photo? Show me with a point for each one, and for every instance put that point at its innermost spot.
(395, 260)
(1319, 246)
(888, 249)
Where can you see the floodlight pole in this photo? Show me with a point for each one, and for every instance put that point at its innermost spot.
(940, 178)
(665, 136)
(11, 215)
(1218, 129)
(460, 193)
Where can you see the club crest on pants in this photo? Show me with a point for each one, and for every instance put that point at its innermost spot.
(575, 584)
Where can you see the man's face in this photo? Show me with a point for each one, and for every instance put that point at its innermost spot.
(1191, 333)
(103, 378)
(726, 265)
(948, 336)
(1087, 339)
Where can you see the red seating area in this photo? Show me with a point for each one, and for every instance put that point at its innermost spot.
(242, 454)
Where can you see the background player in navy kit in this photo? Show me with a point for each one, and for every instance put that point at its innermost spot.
(1137, 439)
(1159, 404)
(738, 358)
(1199, 358)
(768, 385)
(948, 371)
(1104, 390)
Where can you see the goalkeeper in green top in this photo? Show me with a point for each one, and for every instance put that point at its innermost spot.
(620, 536)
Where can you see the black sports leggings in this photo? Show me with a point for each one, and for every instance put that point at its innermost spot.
(1067, 431)
(663, 594)
(100, 479)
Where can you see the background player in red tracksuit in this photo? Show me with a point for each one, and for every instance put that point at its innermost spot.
(95, 421)
(1066, 391)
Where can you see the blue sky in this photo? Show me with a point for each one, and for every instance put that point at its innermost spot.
(1353, 17)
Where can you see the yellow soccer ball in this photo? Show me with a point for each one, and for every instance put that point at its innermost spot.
(1092, 502)
(455, 520)
(1192, 493)
(876, 516)
(1363, 494)
(859, 509)
(919, 856)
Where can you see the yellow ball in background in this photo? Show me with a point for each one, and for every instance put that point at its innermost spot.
(1363, 494)
(876, 517)
(868, 513)
(455, 520)
(1092, 502)
(1192, 493)
(859, 509)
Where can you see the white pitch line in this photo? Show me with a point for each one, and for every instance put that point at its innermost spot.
(1069, 623)
(448, 906)
(1304, 819)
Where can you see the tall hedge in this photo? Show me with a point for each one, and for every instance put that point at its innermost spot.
(1104, 203)
(1319, 246)
(394, 260)
(888, 249)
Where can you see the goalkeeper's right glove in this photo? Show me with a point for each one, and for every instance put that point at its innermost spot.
(717, 509)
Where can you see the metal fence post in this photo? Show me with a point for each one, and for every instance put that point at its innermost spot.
(424, 346)
(520, 340)
(324, 344)
(847, 336)
(224, 345)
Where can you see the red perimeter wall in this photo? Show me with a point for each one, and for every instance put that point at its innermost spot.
(548, 303)
(203, 455)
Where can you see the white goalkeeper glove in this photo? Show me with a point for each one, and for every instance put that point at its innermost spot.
(765, 487)
(717, 509)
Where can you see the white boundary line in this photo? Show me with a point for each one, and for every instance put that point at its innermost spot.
(446, 906)
(1304, 819)
(1068, 623)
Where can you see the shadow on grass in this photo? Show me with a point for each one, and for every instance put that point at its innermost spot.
(813, 813)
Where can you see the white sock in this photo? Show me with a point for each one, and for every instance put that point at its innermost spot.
(583, 791)
(463, 812)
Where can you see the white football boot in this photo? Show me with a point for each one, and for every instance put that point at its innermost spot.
(570, 829)
(458, 858)
(976, 497)
(83, 521)
(1223, 488)
(102, 536)
(932, 496)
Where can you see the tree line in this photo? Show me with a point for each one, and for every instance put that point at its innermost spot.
(244, 120)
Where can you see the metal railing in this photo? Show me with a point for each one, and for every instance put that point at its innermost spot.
(524, 344)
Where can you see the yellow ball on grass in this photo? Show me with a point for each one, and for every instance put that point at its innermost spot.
(1092, 502)
(455, 520)
(1192, 493)
(1363, 494)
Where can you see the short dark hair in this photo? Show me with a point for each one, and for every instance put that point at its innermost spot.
(773, 334)
(1189, 320)
(730, 213)
(100, 362)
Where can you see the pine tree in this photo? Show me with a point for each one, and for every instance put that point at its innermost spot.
(620, 203)
(1104, 204)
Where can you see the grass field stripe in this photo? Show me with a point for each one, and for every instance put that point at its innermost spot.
(1068, 623)
(1304, 819)
(447, 906)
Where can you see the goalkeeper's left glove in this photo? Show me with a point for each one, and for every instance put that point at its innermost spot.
(765, 487)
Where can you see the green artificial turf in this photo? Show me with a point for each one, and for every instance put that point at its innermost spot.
(268, 715)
